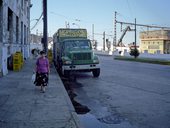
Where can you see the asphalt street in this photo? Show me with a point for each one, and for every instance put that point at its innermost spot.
(126, 95)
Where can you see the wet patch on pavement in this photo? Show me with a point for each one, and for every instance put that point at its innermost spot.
(70, 84)
(112, 119)
(104, 117)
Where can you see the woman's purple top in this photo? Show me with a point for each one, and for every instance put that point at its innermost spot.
(42, 65)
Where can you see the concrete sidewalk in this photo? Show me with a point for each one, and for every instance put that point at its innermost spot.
(22, 105)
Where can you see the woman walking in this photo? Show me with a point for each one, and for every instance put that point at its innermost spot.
(42, 71)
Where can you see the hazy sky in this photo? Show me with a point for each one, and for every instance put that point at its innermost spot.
(84, 13)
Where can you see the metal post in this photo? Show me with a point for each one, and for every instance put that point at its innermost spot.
(114, 41)
(93, 34)
(135, 34)
(45, 36)
(104, 41)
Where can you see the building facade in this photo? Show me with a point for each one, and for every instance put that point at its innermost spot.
(36, 42)
(157, 41)
(14, 30)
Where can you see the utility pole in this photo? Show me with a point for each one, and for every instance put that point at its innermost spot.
(93, 34)
(104, 41)
(114, 40)
(135, 34)
(135, 25)
(45, 35)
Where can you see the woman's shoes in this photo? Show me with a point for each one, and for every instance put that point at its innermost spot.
(43, 89)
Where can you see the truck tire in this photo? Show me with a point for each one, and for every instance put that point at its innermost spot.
(96, 72)
(66, 73)
(59, 67)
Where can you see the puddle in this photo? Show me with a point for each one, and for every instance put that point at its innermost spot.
(69, 85)
(89, 121)
(112, 119)
(80, 109)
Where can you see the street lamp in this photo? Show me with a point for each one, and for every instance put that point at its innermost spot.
(76, 25)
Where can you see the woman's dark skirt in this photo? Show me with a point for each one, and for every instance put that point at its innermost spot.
(41, 79)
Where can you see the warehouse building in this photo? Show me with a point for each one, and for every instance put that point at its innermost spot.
(14, 31)
(155, 42)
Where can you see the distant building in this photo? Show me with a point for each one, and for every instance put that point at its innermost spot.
(36, 42)
(157, 41)
(35, 38)
(132, 46)
(14, 30)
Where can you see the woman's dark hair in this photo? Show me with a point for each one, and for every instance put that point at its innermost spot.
(42, 52)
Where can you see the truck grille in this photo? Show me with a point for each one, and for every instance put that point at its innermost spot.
(82, 56)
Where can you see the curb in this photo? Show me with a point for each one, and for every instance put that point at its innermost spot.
(70, 105)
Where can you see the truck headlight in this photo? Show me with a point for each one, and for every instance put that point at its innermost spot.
(95, 61)
(67, 62)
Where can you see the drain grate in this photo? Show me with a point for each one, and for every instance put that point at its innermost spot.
(112, 119)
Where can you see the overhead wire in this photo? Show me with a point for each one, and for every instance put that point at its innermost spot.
(37, 21)
(130, 9)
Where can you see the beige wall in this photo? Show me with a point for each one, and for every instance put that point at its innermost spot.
(157, 41)
(152, 46)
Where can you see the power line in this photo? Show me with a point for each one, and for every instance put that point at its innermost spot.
(149, 26)
(54, 13)
(102, 34)
(37, 21)
(129, 8)
(76, 19)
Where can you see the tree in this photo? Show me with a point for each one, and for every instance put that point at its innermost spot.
(134, 52)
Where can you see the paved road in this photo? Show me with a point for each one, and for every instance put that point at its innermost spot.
(126, 95)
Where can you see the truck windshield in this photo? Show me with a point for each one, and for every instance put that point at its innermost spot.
(77, 44)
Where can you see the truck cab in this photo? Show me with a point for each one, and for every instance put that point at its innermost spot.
(75, 53)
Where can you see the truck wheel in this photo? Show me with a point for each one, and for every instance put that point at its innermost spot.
(96, 72)
(66, 73)
(59, 69)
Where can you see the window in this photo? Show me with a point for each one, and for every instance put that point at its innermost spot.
(22, 4)
(17, 29)
(25, 34)
(77, 44)
(153, 47)
(21, 32)
(9, 19)
(28, 13)
(10, 26)
(25, 8)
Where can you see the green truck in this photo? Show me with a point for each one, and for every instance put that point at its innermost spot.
(72, 51)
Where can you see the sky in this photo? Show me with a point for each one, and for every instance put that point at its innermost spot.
(100, 13)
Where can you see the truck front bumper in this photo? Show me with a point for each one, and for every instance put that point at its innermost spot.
(87, 67)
